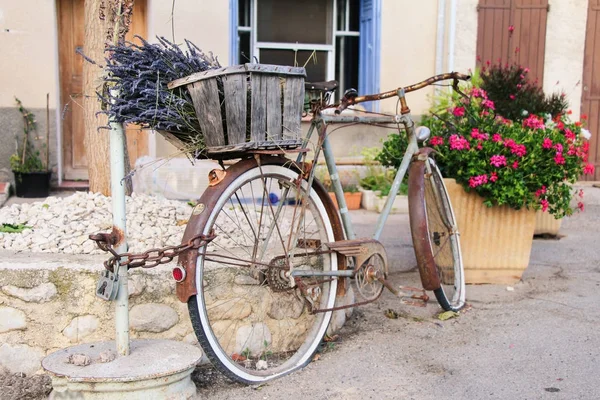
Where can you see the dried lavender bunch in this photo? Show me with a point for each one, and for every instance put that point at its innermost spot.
(140, 74)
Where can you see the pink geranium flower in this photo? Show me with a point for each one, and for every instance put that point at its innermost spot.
(540, 192)
(478, 180)
(569, 134)
(458, 111)
(544, 204)
(559, 159)
(534, 122)
(496, 138)
(547, 143)
(475, 134)
(458, 143)
(488, 104)
(558, 147)
(580, 206)
(437, 140)
(515, 165)
(589, 169)
(498, 161)
(493, 177)
(519, 149)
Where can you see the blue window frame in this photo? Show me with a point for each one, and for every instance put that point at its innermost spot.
(348, 51)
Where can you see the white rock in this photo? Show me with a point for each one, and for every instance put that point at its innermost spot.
(152, 317)
(81, 327)
(20, 358)
(12, 319)
(81, 360)
(39, 294)
(261, 364)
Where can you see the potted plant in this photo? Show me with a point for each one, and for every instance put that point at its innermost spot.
(377, 186)
(502, 172)
(515, 97)
(32, 176)
(352, 195)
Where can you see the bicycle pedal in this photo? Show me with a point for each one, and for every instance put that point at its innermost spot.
(413, 296)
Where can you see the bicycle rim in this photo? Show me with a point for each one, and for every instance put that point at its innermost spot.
(444, 241)
(252, 324)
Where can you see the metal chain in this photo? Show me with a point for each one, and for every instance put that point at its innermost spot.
(149, 258)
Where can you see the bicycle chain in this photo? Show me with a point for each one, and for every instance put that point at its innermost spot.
(146, 259)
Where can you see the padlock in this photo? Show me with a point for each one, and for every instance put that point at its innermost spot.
(108, 286)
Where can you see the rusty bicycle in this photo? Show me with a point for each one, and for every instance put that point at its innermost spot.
(262, 288)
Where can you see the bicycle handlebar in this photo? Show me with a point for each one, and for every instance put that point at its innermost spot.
(351, 100)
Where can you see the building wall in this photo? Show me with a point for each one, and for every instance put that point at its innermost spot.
(565, 43)
(29, 70)
(408, 42)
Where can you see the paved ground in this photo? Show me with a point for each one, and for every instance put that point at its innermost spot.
(540, 340)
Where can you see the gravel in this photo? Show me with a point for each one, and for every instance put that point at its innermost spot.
(63, 224)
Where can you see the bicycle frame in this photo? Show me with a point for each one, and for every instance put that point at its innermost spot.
(321, 121)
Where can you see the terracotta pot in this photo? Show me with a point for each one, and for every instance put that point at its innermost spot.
(495, 242)
(546, 224)
(352, 200)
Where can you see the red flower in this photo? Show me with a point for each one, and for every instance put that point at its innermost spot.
(458, 111)
(584, 116)
(580, 206)
(547, 143)
(512, 96)
(515, 165)
(544, 204)
(578, 123)
(437, 140)
(559, 159)
(496, 138)
(589, 169)
(493, 177)
(569, 134)
(511, 28)
(540, 192)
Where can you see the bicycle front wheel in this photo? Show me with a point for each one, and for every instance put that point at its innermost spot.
(444, 241)
(253, 319)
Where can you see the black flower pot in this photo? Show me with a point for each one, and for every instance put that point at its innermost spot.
(32, 184)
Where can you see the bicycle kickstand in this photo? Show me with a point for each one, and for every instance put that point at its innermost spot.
(405, 293)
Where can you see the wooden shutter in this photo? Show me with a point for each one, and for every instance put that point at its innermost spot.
(590, 99)
(525, 45)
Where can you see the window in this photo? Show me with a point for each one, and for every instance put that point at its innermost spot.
(321, 35)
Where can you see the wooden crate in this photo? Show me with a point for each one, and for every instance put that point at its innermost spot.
(249, 106)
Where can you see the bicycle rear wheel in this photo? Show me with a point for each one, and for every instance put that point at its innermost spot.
(252, 319)
(435, 236)
(444, 241)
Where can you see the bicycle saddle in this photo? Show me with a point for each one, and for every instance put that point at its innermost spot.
(329, 86)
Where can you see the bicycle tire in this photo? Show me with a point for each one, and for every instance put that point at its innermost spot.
(442, 241)
(271, 322)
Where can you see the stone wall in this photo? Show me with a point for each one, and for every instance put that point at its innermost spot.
(47, 303)
(43, 309)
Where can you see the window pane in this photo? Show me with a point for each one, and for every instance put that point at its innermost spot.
(316, 67)
(244, 47)
(347, 15)
(346, 63)
(244, 12)
(291, 21)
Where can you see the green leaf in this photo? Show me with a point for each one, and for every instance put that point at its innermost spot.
(447, 315)
(14, 228)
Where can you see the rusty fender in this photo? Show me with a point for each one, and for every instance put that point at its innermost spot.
(418, 221)
(201, 212)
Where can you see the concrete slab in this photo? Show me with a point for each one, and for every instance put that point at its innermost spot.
(81, 371)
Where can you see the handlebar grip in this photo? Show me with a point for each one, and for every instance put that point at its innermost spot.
(347, 99)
